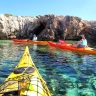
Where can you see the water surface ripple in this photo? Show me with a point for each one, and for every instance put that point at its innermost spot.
(65, 73)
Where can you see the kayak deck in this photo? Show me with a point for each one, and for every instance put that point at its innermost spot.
(25, 80)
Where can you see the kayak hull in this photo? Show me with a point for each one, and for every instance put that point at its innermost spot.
(72, 48)
(26, 41)
(25, 79)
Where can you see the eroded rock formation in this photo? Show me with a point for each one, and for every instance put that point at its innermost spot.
(47, 27)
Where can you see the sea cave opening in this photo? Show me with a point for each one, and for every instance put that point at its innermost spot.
(39, 29)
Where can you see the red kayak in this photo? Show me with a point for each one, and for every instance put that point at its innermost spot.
(27, 41)
(20, 40)
(72, 48)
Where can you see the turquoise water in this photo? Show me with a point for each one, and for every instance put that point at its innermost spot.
(66, 73)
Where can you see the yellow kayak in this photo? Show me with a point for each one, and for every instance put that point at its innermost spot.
(25, 80)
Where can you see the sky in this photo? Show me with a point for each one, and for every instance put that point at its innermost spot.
(85, 9)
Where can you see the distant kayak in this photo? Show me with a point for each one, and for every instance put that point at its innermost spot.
(27, 41)
(69, 46)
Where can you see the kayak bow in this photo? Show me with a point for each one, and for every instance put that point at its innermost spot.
(25, 80)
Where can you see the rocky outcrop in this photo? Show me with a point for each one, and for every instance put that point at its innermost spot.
(47, 27)
(13, 25)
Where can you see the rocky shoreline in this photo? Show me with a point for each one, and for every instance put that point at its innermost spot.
(47, 27)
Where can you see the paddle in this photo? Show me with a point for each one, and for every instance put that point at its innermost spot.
(63, 42)
(66, 43)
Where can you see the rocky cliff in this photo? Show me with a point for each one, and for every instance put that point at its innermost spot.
(47, 27)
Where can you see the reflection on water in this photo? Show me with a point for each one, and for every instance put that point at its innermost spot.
(66, 73)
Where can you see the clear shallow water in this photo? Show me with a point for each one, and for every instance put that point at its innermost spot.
(66, 73)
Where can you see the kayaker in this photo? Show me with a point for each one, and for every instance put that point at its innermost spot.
(82, 43)
(34, 37)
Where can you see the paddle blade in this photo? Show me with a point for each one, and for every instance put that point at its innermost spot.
(63, 42)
